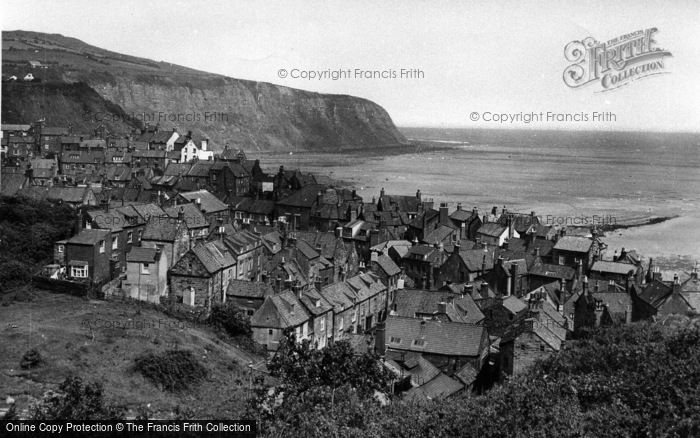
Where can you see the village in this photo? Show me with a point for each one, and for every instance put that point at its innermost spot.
(450, 296)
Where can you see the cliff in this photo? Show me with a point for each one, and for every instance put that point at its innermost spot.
(252, 115)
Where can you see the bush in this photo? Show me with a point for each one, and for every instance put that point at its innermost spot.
(173, 370)
(31, 359)
(75, 401)
(230, 319)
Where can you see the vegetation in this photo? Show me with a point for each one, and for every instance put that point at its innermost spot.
(173, 370)
(28, 229)
(76, 401)
(31, 359)
(230, 319)
(636, 380)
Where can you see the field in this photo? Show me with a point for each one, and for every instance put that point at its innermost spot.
(99, 340)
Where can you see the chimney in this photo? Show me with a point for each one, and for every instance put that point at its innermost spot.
(484, 289)
(414, 242)
(338, 231)
(317, 283)
(676, 280)
(442, 307)
(105, 205)
(444, 217)
(611, 286)
(694, 274)
(468, 289)
(514, 278)
(198, 203)
(537, 252)
(220, 230)
(381, 193)
(459, 206)
(585, 284)
(419, 196)
(456, 247)
(278, 284)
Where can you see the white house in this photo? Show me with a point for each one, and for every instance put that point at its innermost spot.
(29, 77)
(190, 151)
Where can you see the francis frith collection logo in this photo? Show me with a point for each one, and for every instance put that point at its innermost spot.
(614, 63)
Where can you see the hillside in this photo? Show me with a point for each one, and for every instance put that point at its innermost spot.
(60, 104)
(247, 114)
(120, 333)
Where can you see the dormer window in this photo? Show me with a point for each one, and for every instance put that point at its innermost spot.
(419, 342)
(395, 340)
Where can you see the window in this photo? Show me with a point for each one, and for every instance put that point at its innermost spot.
(60, 248)
(340, 324)
(269, 332)
(102, 246)
(145, 268)
(354, 315)
(323, 324)
(129, 237)
(541, 347)
(140, 234)
(115, 242)
(418, 342)
(79, 271)
(395, 340)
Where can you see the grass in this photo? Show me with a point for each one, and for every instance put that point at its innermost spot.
(99, 340)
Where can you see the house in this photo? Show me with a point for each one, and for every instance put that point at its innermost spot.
(211, 207)
(278, 313)
(191, 151)
(248, 295)
(387, 271)
(125, 229)
(359, 303)
(74, 196)
(200, 278)
(89, 256)
(247, 249)
(543, 332)
(43, 171)
(411, 205)
(146, 275)
(81, 163)
(21, 147)
(447, 345)
(570, 249)
(195, 221)
(155, 159)
(251, 211)
(664, 298)
(495, 233)
(440, 305)
(503, 313)
(597, 307)
(321, 313)
(18, 130)
(465, 265)
(621, 273)
(468, 222)
(167, 233)
(296, 208)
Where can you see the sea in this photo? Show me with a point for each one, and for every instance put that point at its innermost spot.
(565, 177)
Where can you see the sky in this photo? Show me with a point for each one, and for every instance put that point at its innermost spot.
(472, 57)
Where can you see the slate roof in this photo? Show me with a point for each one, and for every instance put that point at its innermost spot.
(89, 237)
(161, 228)
(553, 271)
(416, 302)
(492, 229)
(617, 303)
(141, 255)
(387, 265)
(439, 234)
(194, 219)
(306, 197)
(573, 244)
(474, 259)
(213, 257)
(15, 127)
(613, 267)
(514, 305)
(306, 249)
(210, 203)
(463, 215)
(67, 194)
(280, 311)
(444, 338)
(248, 289)
(441, 386)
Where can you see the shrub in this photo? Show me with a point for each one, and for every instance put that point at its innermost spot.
(31, 359)
(75, 401)
(173, 370)
(230, 319)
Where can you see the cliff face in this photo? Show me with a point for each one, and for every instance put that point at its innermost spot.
(255, 115)
(251, 115)
(63, 104)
